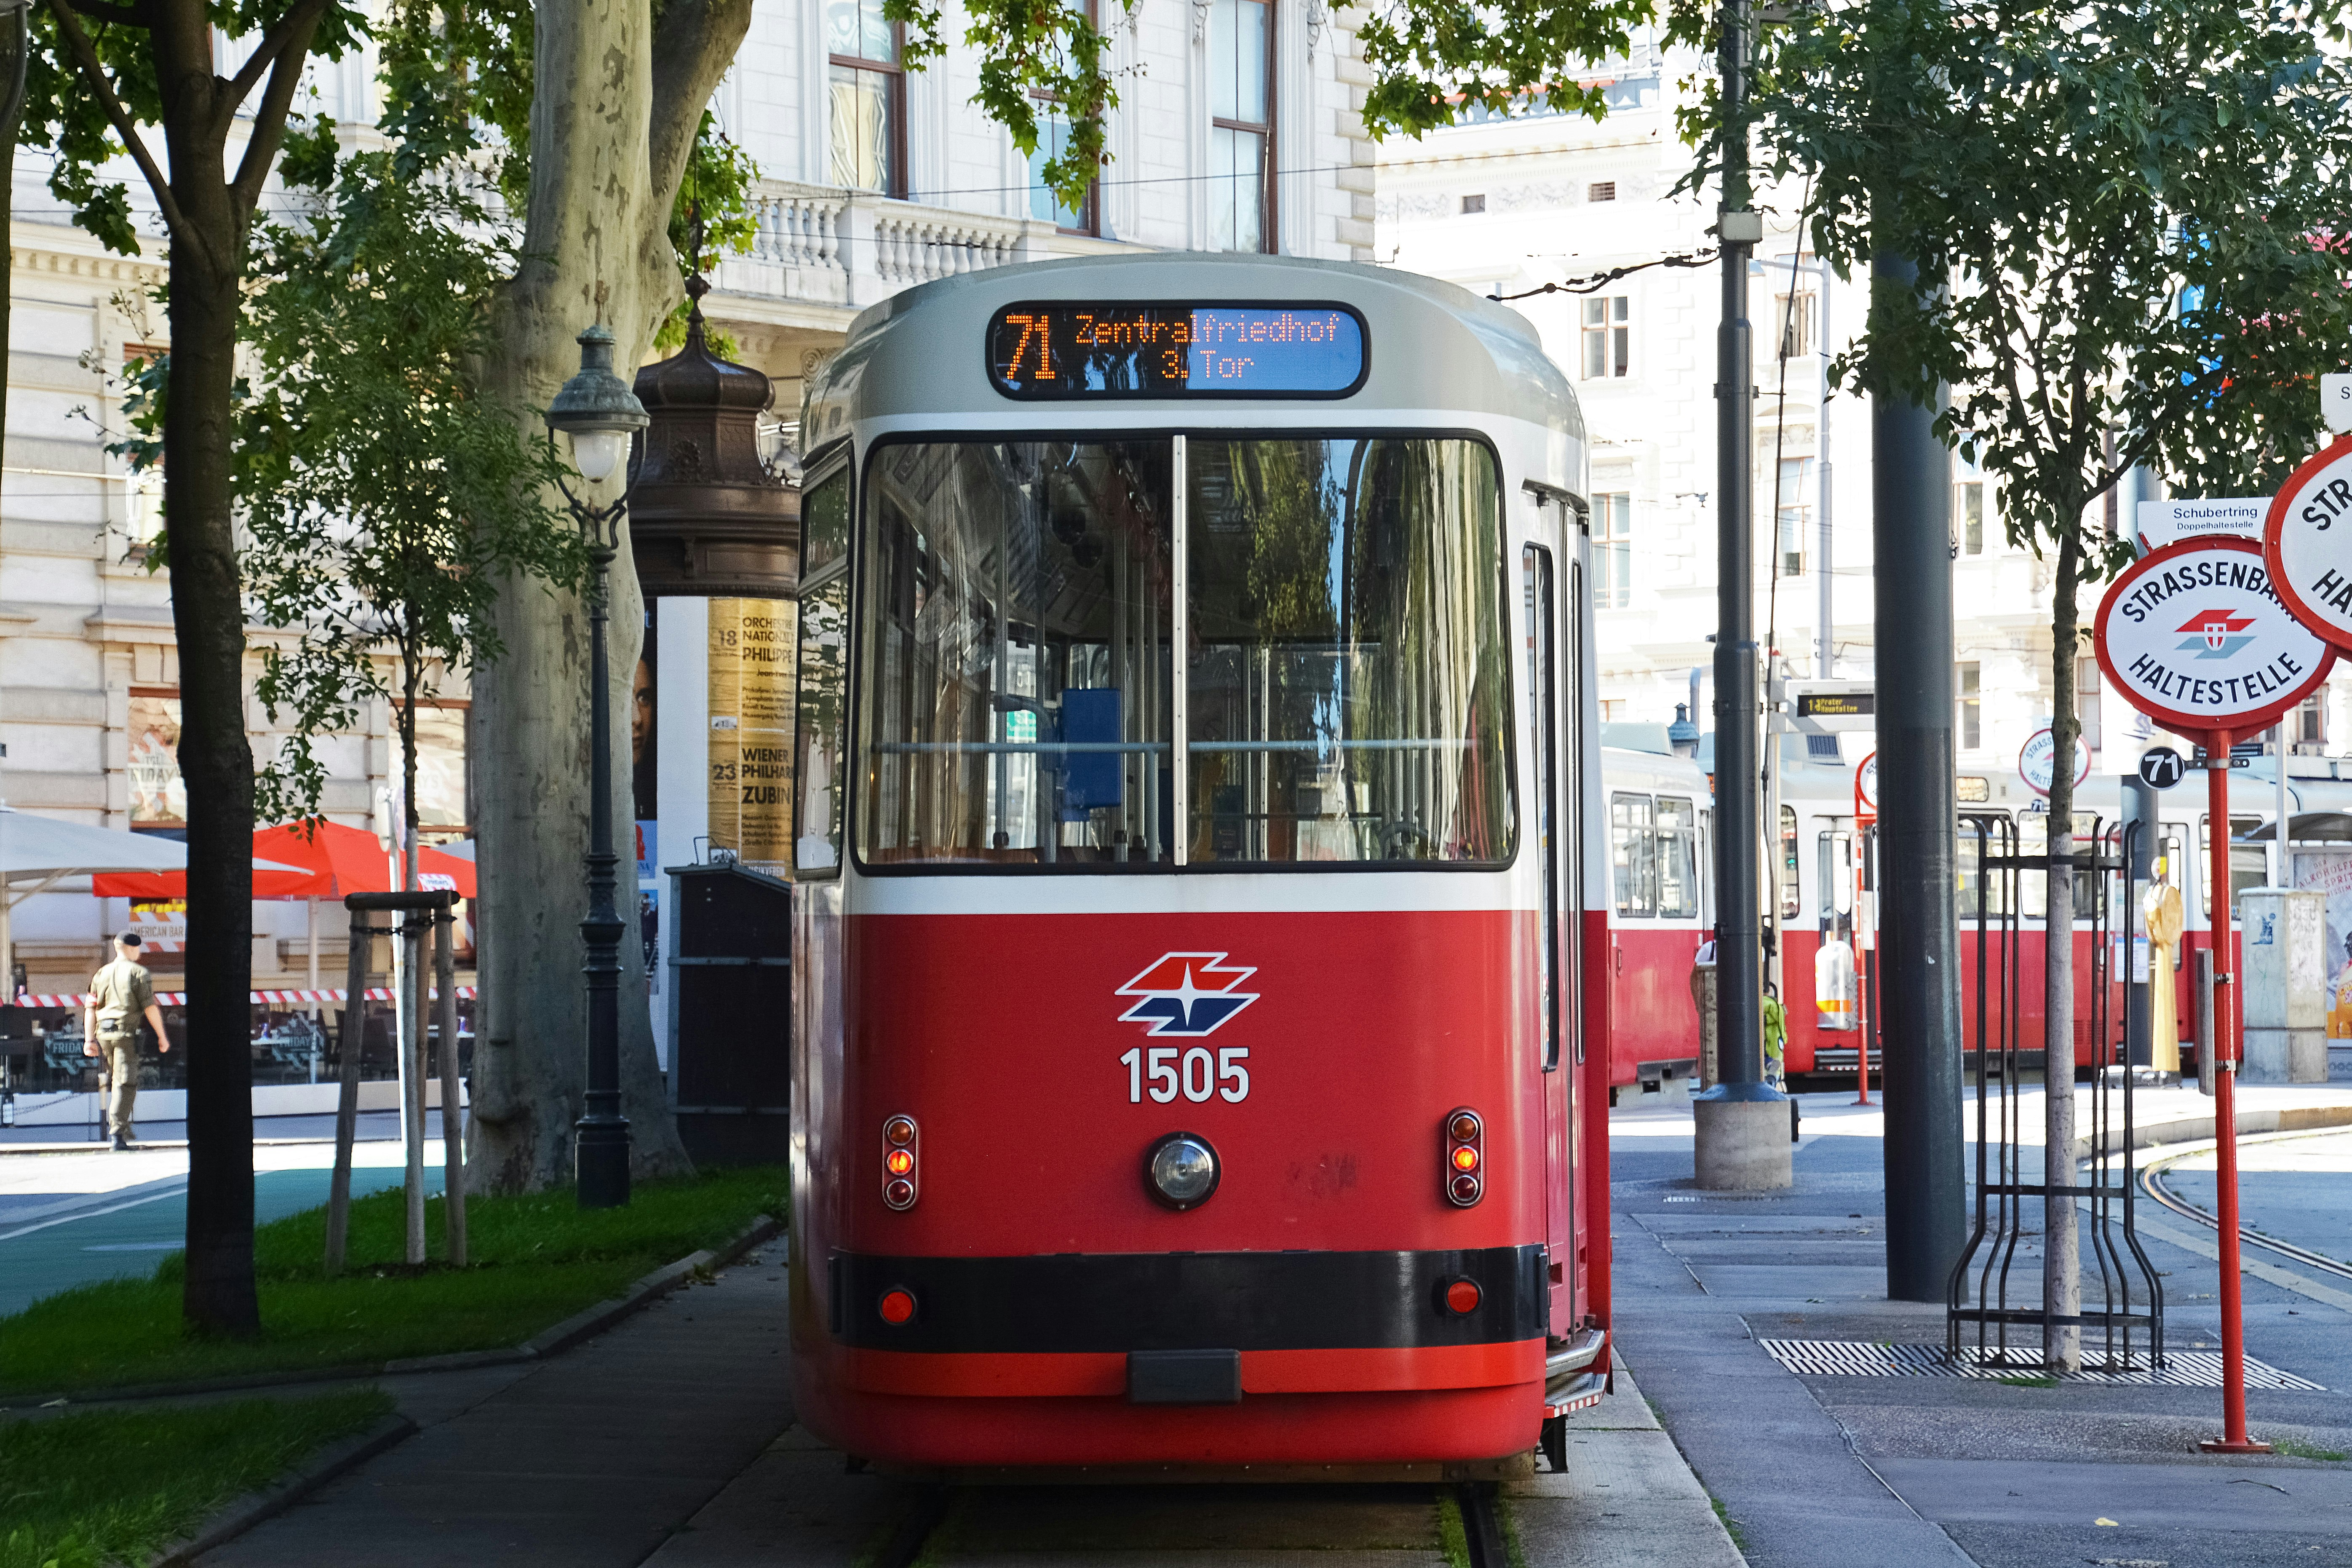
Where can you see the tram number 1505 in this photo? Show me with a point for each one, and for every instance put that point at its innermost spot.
(1196, 1075)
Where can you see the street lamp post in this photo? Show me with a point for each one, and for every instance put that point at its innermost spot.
(600, 415)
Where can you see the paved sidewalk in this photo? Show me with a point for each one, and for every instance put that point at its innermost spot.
(1819, 1472)
(588, 1460)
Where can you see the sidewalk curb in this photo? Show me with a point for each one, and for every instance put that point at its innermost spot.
(337, 1459)
(581, 1325)
(2258, 1120)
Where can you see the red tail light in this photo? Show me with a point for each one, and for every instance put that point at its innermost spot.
(902, 1158)
(1465, 1136)
(1461, 1297)
(897, 1305)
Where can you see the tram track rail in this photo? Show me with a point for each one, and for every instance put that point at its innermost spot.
(1486, 1543)
(2151, 1182)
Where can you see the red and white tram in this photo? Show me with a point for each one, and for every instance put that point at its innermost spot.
(1199, 1060)
(1821, 850)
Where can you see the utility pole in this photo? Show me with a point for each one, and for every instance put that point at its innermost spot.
(1742, 1123)
(1918, 947)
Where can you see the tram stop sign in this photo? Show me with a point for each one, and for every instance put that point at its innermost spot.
(2307, 543)
(2037, 761)
(2193, 636)
(2161, 768)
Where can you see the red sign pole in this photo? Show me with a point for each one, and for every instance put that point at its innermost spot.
(2224, 1047)
(1865, 1019)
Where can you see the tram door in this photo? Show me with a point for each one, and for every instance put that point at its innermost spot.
(1550, 684)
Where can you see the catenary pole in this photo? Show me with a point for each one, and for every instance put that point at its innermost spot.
(1742, 1123)
(1918, 991)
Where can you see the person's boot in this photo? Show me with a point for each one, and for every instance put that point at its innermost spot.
(122, 1141)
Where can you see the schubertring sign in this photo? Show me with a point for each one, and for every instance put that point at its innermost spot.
(2194, 638)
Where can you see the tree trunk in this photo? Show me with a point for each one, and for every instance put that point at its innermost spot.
(216, 762)
(605, 163)
(16, 45)
(2062, 1276)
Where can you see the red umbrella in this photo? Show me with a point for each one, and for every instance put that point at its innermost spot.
(336, 862)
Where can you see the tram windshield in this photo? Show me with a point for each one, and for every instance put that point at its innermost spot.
(1346, 671)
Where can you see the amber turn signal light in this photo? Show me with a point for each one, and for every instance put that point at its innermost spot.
(902, 1150)
(1465, 1140)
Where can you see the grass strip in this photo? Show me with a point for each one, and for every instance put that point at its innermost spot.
(536, 1260)
(119, 1486)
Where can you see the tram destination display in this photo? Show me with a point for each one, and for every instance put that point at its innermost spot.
(2194, 636)
(1053, 350)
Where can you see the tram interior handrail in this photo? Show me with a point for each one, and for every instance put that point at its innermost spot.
(1030, 748)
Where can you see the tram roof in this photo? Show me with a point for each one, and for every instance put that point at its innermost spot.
(1431, 344)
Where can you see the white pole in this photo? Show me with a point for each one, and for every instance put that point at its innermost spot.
(2284, 876)
(1824, 585)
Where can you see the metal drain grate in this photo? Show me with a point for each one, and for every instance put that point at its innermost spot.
(1727, 1197)
(1860, 1358)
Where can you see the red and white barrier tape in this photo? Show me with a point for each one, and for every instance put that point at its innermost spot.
(180, 998)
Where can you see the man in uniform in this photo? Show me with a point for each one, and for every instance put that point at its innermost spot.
(119, 995)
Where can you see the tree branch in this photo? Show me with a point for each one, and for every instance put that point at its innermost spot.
(121, 16)
(291, 52)
(93, 73)
(694, 43)
(273, 45)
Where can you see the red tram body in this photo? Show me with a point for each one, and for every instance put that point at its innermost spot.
(1655, 931)
(1199, 937)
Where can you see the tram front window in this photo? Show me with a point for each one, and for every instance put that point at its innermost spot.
(1349, 678)
(1013, 694)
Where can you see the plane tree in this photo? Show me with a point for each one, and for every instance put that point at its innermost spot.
(2126, 231)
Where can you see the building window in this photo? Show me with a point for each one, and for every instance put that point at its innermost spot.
(1601, 191)
(1971, 707)
(1474, 203)
(867, 89)
(1967, 506)
(1608, 337)
(1053, 134)
(1795, 504)
(2308, 724)
(2087, 695)
(1795, 315)
(1613, 550)
(1241, 118)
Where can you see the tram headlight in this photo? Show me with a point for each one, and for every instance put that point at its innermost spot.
(1464, 1138)
(902, 1158)
(1181, 1170)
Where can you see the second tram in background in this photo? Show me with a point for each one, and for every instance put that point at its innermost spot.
(1661, 906)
